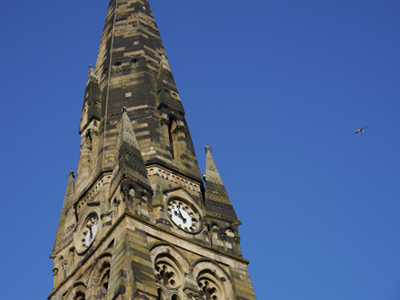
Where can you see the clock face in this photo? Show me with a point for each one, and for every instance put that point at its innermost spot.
(88, 232)
(183, 216)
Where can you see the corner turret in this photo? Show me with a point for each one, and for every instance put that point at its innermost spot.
(91, 105)
(222, 219)
(67, 223)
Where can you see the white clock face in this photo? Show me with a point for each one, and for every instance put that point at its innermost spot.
(89, 231)
(183, 215)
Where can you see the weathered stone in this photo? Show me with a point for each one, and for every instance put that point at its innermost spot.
(124, 230)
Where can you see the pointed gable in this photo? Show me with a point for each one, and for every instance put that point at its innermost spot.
(129, 162)
(217, 201)
(67, 224)
(91, 105)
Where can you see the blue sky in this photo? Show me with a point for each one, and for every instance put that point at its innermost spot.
(277, 88)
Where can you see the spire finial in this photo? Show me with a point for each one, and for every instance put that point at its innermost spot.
(208, 148)
(71, 174)
(91, 71)
(124, 109)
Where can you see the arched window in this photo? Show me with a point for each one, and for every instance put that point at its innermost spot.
(78, 292)
(103, 284)
(99, 279)
(170, 267)
(89, 139)
(168, 273)
(79, 296)
(213, 281)
(103, 280)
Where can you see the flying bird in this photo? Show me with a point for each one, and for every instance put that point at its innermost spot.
(360, 130)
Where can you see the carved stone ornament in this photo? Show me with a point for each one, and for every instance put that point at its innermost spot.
(64, 264)
(209, 288)
(167, 274)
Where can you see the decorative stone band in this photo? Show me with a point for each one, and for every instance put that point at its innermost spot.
(174, 178)
(220, 216)
(134, 114)
(64, 239)
(92, 193)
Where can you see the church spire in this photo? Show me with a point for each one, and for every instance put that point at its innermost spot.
(140, 224)
(132, 70)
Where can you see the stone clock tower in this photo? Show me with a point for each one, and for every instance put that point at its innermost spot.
(140, 222)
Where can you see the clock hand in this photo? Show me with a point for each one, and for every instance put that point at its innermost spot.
(180, 212)
(180, 216)
(183, 219)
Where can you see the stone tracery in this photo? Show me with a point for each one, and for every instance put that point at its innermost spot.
(210, 289)
(213, 281)
(166, 274)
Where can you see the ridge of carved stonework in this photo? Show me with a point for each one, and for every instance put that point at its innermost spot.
(216, 180)
(220, 204)
(220, 216)
(221, 194)
(92, 193)
(137, 113)
(174, 178)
